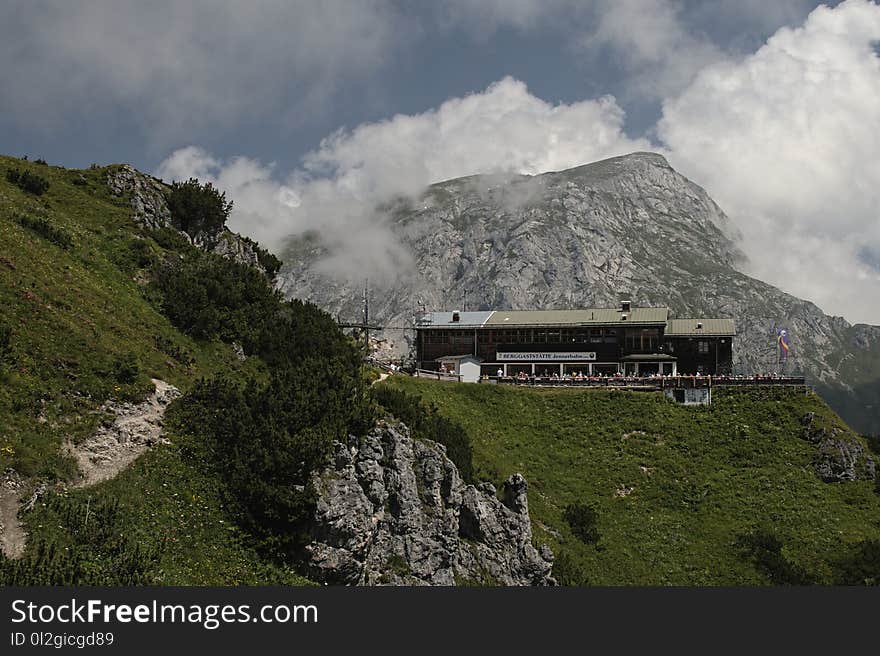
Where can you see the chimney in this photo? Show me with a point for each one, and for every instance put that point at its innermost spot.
(456, 316)
(625, 306)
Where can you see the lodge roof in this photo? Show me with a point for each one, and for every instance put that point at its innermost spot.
(588, 316)
(577, 317)
(695, 327)
(466, 319)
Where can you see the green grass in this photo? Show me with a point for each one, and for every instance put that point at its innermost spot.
(169, 508)
(673, 487)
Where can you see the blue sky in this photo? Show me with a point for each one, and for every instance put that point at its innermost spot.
(306, 112)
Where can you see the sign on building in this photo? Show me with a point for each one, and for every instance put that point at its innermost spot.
(543, 356)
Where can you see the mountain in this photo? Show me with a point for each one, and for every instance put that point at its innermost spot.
(627, 227)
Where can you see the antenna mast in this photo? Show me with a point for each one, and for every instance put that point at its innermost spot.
(367, 311)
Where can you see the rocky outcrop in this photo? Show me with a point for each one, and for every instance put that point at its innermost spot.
(393, 510)
(146, 194)
(232, 246)
(839, 454)
(627, 227)
(149, 206)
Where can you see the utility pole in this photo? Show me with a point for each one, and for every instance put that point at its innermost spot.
(367, 312)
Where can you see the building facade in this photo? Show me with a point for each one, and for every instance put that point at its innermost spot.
(595, 341)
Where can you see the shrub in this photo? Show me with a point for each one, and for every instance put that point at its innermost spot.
(28, 181)
(265, 437)
(5, 343)
(179, 353)
(264, 441)
(861, 566)
(426, 423)
(764, 548)
(43, 227)
(211, 297)
(170, 239)
(126, 369)
(567, 571)
(197, 208)
(582, 518)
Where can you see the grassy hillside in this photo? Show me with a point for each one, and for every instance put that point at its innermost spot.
(80, 326)
(79, 317)
(681, 496)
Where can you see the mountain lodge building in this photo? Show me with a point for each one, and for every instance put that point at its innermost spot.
(626, 340)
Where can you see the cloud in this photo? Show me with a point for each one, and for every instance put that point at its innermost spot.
(651, 41)
(786, 141)
(185, 68)
(504, 129)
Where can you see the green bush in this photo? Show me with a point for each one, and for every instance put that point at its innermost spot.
(170, 239)
(210, 297)
(126, 369)
(426, 423)
(582, 518)
(197, 208)
(27, 181)
(861, 566)
(764, 548)
(567, 571)
(5, 343)
(43, 227)
(179, 353)
(265, 440)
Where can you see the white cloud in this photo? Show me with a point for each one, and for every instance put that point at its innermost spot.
(185, 67)
(503, 129)
(786, 140)
(652, 43)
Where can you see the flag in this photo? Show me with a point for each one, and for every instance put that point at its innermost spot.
(784, 341)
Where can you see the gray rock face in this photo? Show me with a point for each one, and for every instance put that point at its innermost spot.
(147, 196)
(838, 457)
(150, 209)
(628, 227)
(394, 511)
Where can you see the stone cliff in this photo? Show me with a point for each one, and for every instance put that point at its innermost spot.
(393, 510)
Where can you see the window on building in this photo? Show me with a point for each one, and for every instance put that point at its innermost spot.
(703, 347)
(645, 339)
